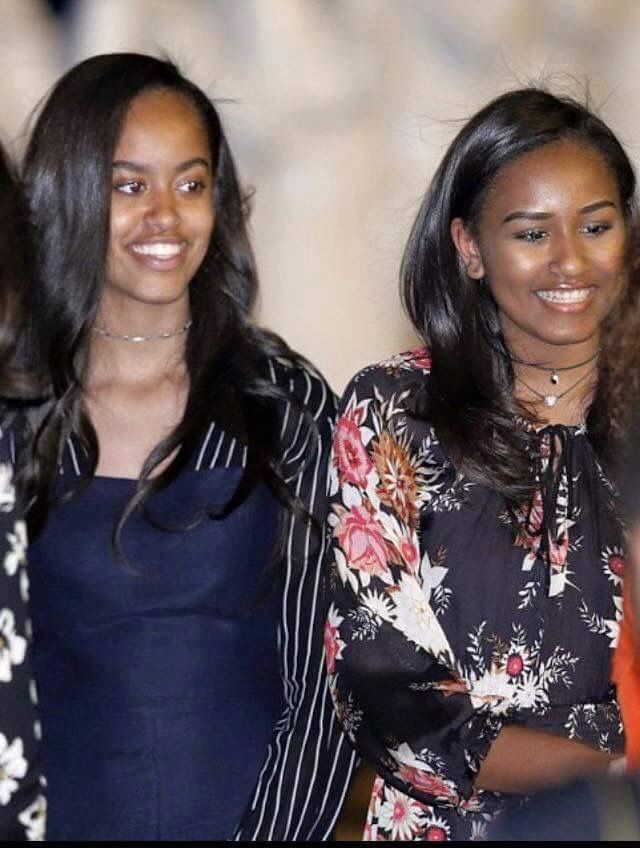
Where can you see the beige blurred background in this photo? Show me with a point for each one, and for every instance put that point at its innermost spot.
(338, 111)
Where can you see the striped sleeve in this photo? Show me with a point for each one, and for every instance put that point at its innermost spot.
(309, 762)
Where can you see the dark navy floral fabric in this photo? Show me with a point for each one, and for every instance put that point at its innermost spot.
(449, 619)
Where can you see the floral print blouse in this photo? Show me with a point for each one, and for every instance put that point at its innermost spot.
(445, 624)
(22, 803)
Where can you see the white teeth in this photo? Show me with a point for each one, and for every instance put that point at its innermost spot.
(564, 295)
(158, 249)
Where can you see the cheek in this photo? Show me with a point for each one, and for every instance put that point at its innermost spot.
(612, 263)
(120, 225)
(202, 224)
(510, 269)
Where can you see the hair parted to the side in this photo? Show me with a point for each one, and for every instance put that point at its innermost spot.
(469, 399)
(68, 179)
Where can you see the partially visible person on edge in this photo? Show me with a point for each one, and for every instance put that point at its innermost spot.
(608, 809)
(177, 477)
(476, 587)
(22, 805)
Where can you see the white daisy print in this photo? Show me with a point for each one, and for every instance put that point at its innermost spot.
(401, 815)
(416, 619)
(13, 767)
(613, 563)
(7, 490)
(17, 553)
(33, 819)
(12, 646)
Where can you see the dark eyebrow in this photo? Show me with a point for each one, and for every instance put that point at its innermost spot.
(125, 165)
(129, 166)
(600, 204)
(191, 163)
(543, 216)
(529, 216)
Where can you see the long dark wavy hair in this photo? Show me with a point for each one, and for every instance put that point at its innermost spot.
(68, 179)
(620, 389)
(470, 399)
(16, 384)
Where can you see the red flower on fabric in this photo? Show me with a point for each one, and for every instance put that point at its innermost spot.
(422, 359)
(435, 834)
(427, 782)
(515, 664)
(333, 645)
(617, 565)
(351, 457)
(362, 542)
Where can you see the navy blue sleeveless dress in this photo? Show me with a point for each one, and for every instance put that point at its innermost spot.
(155, 719)
(181, 696)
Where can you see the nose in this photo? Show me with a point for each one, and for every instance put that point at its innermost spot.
(568, 260)
(162, 212)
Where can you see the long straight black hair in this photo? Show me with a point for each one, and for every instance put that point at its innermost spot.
(68, 179)
(470, 399)
(16, 384)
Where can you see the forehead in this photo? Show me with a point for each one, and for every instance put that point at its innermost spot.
(159, 122)
(558, 176)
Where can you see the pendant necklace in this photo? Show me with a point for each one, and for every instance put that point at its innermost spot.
(551, 400)
(554, 373)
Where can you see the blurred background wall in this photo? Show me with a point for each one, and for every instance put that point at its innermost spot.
(338, 112)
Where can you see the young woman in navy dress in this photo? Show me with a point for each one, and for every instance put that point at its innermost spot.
(177, 476)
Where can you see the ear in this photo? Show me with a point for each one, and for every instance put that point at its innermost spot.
(468, 250)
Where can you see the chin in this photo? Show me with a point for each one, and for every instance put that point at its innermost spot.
(568, 335)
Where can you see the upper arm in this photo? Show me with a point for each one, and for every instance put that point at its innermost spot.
(393, 675)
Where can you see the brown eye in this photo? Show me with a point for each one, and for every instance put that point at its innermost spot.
(596, 229)
(129, 187)
(530, 235)
(192, 186)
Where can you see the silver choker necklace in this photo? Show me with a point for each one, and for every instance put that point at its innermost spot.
(101, 331)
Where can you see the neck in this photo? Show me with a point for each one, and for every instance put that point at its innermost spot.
(554, 384)
(114, 357)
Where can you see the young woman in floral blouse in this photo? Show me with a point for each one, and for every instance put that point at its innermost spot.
(477, 563)
(22, 805)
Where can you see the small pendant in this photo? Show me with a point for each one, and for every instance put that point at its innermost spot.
(555, 379)
(550, 400)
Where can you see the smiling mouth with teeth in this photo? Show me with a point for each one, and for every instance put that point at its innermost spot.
(158, 251)
(565, 295)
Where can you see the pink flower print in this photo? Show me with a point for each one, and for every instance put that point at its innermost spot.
(351, 458)
(558, 552)
(435, 834)
(409, 553)
(362, 543)
(515, 664)
(429, 783)
(421, 359)
(530, 524)
(616, 565)
(333, 644)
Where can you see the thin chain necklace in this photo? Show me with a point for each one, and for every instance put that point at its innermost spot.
(552, 400)
(101, 331)
(554, 376)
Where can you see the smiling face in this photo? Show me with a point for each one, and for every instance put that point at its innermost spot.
(162, 213)
(550, 240)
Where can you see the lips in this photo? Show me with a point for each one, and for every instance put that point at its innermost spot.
(566, 296)
(158, 250)
(160, 255)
